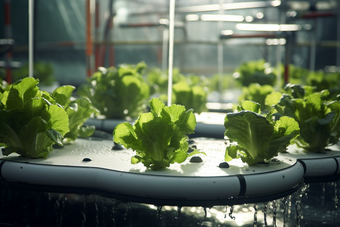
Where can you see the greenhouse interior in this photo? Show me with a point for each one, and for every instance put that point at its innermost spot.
(170, 113)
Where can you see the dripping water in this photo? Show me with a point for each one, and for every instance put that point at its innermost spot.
(231, 212)
(159, 210)
(59, 208)
(127, 209)
(255, 215)
(298, 208)
(56, 207)
(284, 200)
(289, 202)
(178, 213)
(226, 212)
(274, 212)
(265, 205)
(323, 194)
(336, 204)
(205, 212)
(113, 211)
(98, 203)
(84, 210)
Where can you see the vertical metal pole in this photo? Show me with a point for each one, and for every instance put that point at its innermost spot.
(279, 53)
(30, 37)
(8, 35)
(171, 47)
(89, 39)
(220, 54)
(97, 26)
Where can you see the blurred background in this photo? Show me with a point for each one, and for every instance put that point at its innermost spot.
(71, 39)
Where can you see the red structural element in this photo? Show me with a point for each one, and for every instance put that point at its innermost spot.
(107, 37)
(261, 35)
(286, 74)
(317, 14)
(98, 60)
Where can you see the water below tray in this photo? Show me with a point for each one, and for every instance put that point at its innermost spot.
(312, 205)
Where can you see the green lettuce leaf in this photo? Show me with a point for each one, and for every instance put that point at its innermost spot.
(158, 137)
(253, 137)
(78, 111)
(117, 93)
(317, 117)
(29, 123)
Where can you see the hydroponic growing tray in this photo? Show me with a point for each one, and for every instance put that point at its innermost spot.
(319, 167)
(91, 165)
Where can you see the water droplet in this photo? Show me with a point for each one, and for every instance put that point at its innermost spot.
(178, 214)
(231, 212)
(113, 211)
(255, 215)
(159, 210)
(274, 204)
(205, 212)
(323, 194)
(97, 212)
(336, 204)
(284, 200)
(298, 214)
(265, 205)
(84, 210)
(127, 209)
(226, 211)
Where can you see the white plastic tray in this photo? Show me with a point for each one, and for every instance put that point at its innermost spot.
(321, 166)
(181, 184)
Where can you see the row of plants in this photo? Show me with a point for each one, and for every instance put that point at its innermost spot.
(33, 120)
(123, 92)
(258, 78)
(300, 116)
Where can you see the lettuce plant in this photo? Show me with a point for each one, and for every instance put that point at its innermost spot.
(256, 93)
(192, 97)
(29, 121)
(256, 138)
(318, 117)
(255, 72)
(189, 90)
(117, 92)
(158, 137)
(78, 111)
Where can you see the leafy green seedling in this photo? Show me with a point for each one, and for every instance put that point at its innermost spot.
(78, 111)
(29, 122)
(318, 117)
(158, 137)
(117, 93)
(256, 138)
